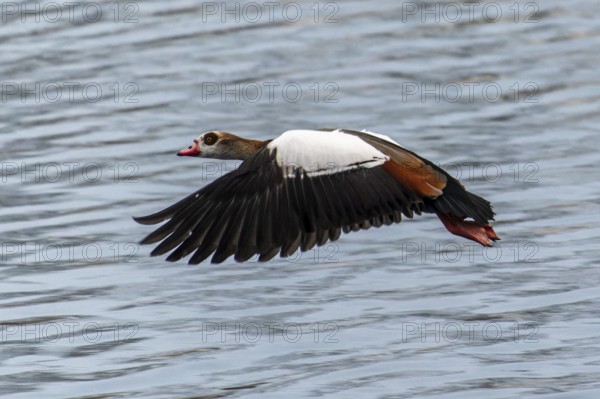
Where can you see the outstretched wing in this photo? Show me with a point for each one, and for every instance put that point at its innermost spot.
(412, 171)
(301, 190)
(443, 194)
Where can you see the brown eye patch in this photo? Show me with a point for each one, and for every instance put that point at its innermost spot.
(210, 138)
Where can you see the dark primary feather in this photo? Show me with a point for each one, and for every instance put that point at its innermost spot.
(256, 210)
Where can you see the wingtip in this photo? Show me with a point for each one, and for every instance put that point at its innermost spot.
(146, 220)
(171, 258)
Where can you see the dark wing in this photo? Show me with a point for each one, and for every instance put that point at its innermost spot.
(257, 209)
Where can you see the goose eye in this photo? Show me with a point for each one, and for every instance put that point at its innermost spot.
(210, 139)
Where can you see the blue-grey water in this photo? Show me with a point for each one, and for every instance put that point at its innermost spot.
(98, 97)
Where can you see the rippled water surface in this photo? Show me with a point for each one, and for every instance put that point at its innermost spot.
(511, 106)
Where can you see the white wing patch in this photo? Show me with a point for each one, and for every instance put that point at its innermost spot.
(381, 136)
(318, 152)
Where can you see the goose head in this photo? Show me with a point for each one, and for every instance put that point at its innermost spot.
(222, 145)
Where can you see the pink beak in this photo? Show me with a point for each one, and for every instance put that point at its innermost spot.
(191, 151)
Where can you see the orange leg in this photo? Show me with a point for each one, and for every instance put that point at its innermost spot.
(483, 234)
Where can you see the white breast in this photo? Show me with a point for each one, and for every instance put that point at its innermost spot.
(319, 152)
